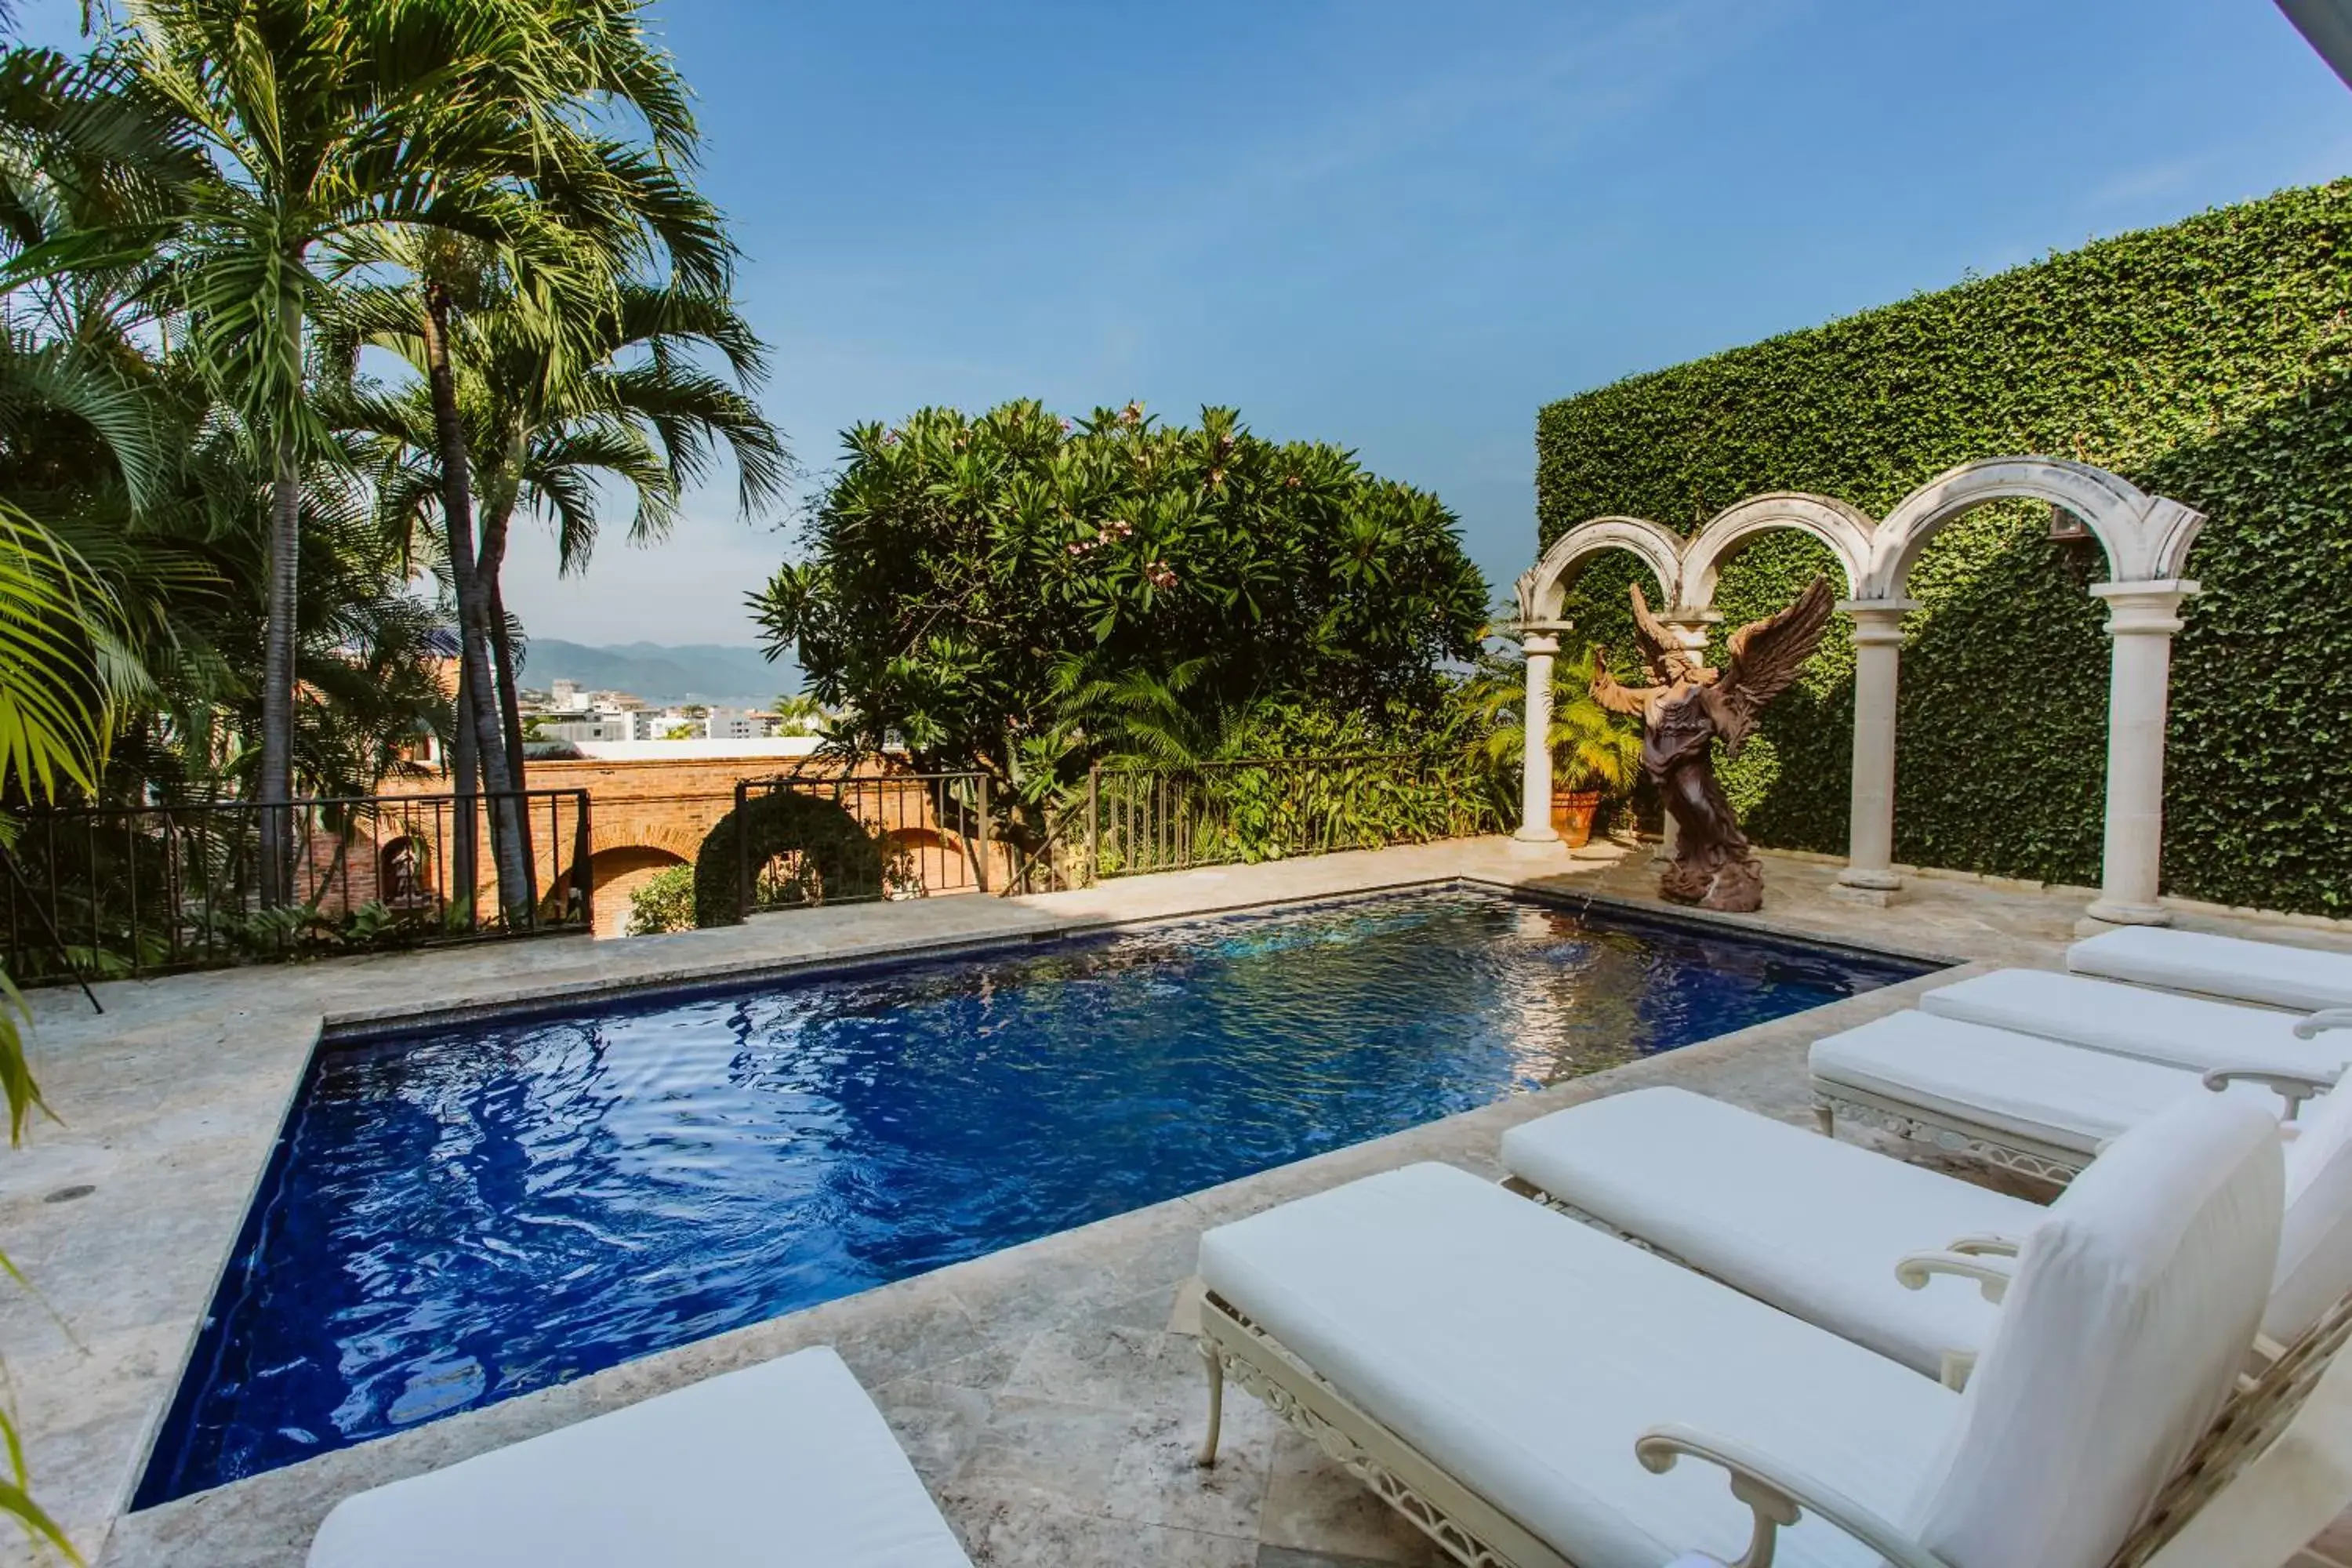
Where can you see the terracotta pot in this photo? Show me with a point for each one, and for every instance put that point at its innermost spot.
(1572, 815)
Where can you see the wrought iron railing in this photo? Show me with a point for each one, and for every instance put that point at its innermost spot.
(809, 839)
(1271, 809)
(105, 892)
(804, 839)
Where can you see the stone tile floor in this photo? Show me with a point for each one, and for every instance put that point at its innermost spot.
(1049, 1394)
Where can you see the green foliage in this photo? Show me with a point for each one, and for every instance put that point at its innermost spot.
(663, 902)
(2207, 362)
(1014, 593)
(1592, 748)
(1289, 778)
(1273, 808)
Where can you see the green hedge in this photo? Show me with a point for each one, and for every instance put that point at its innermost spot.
(2207, 362)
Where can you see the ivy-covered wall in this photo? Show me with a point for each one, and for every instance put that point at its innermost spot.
(2207, 362)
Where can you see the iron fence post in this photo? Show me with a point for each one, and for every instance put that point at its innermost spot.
(584, 868)
(979, 866)
(742, 853)
(1094, 823)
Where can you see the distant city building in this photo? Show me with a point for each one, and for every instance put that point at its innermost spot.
(738, 724)
(699, 723)
(566, 712)
(579, 724)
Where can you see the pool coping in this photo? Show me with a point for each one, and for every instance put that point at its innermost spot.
(298, 1027)
(304, 1491)
(366, 1025)
(375, 1029)
(377, 1026)
(718, 966)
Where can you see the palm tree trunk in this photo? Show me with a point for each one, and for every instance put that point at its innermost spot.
(465, 783)
(494, 550)
(277, 782)
(473, 612)
(489, 567)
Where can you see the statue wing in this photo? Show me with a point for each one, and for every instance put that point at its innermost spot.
(1654, 638)
(1765, 657)
(1609, 694)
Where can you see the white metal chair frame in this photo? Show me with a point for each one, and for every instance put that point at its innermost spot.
(1951, 1134)
(2238, 1448)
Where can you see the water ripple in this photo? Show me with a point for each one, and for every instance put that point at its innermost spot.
(476, 1213)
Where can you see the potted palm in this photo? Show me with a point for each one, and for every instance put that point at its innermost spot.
(1594, 753)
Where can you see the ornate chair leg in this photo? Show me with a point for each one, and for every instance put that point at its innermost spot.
(1216, 1367)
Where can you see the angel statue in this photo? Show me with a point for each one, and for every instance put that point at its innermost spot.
(1683, 715)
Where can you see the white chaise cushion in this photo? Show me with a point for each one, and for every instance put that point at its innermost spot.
(2131, 1021)
(1809, 1224)
(2267, 972)
(2314, 1263)
(1523, 1352)
(784, 1464)
(2056, 1094)
(2132, 1310)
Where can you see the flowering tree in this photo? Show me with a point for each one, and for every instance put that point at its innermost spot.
(1024, 595)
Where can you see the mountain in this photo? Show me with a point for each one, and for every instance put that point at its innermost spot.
(723, 677)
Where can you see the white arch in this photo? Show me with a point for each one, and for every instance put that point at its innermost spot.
(1542, 585)
(1846, 530)
(2147, 537)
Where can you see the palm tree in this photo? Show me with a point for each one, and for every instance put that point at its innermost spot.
(544, 424)
(643, 413)
(322, 125)
(56, 700)
(1592, 748)
(623, 207)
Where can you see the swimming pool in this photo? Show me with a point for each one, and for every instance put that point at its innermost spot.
(464, 1214)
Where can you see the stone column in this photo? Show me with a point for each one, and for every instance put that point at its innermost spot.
(2141, 618)
(1869, 875)
(1535, 768)
(1688, 627)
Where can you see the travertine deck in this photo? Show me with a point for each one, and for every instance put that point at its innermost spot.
(1047, 1393)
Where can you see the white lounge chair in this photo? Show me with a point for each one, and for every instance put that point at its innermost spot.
(1904, 1261)
(2131, 1021)
(2299, 979)
(784, 1464)
(2014, 1101)
(1520, 1385)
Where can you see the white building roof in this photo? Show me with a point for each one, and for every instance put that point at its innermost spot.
(690, 750)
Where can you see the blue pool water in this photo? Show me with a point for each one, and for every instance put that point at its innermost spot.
(466, 1214)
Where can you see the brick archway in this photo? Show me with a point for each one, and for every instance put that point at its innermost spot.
(678, 841)
(617, 871)
(649, 811)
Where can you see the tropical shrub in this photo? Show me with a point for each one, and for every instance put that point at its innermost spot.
(663, 902)
(1592, 748)
(1022, 595)
(2209, 362)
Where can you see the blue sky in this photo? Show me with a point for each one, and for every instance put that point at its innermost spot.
(1400, 227)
